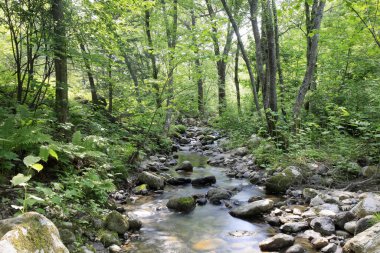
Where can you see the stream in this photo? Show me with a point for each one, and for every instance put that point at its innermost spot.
(209, 228)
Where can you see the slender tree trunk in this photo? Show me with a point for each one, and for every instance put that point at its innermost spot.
(198, 66)
(236, 79)
(60, 58)
(132, 72)
(90, 76)
(311, 63)
(244, 55)
(152, 57)
(110, 86)
(278, 60)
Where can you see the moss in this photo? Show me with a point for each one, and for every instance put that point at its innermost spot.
(182, 204)
(186, 201)
(281, 182)
(108, 238)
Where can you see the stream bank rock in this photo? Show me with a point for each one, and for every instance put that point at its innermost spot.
(185, 166)
(277, 242)
(30, 232)
(204, 181)
(217, 194)
(365, 242)
(154, 181)
(252, 209)
(116, 222)
(182, 204)
(281, 181)
(370, 204)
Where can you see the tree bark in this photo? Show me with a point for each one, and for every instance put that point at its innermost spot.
(311, 63)
(60, 60)
(132, 72)
(90, 76)
(110, 85)
(244, 55)
(236, 80)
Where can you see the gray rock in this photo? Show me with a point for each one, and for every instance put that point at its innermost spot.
(280, 182)
(204, 181)
(67, 236)
(369, 205)
(323, 225)
(116, 222)
(154, 181)
(342, 218)
(309, 193)
(22, 234)
(319, 242)
(241, 151)
(329, 248)
(217, 194)
(185, 166)
(296, 248)
(182, 204)
(115, 249)
(316, 201)
(253, 209)
(363, 224)
(294, 227)
(134, 223)
(350, 227)
(371, 171)
(179, 181)
(277, 242)
(365, 242)
(109, 238)
(273, 220)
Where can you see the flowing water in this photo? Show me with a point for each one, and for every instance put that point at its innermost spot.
(208, 228)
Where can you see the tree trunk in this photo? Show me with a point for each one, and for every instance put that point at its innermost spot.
(236, 79)
(94, 95)
(311, 62)
(198, 66)
(60, 60)
(244, 55)
(152, 58)
(110, 86)
(132, 72)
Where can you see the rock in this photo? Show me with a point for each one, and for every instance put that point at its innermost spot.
(309, 193)
(273, 220)
(184, 141)
(280, 182)
(109, 238)
(30, 232)
(316, 201)
(116, 222)
(371, 171)
(179, 181)
(319, 242)
(134, 223)
(217, 194)
(342, 218)
(350, 227)
(277, 242)
(294, 227)
(241, 151)
(85, 249)
(323, 225)
(115, 248)
(154, 181)
(204, 181)
(367, 206)
(201, 201)
(296, 248)
(329, 248)
(253, 209)
(311, 234)
(254, 141)
(363, 224)
(185, 166)
(181, 204)
(67, 236)
(141, 189)
(364, 242)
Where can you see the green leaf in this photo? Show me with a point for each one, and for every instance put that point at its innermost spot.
(77, 138)
(30, 160)
(52, 153)
(44, 153)
(20, 179)
(37, 166)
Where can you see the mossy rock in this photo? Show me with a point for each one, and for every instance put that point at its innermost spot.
(280, 182)
(109, 238)
(30, 232)
(182, 204)
(141, 189)
(116, 222)
(180, 129)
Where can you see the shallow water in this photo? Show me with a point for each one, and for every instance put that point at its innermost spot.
(208, 228)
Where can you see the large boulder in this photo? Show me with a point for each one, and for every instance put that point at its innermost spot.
(154, 181)
(323, 225)
(204, 181)
(182, 204)
(179, 181)
(277, 242)
(30, 232)
(280, 182)
(367, 241)
(217, 194)
(294, 227)
(185, 166)
(253, 209)
(370, 204)
(116, 222)
(371, 171)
